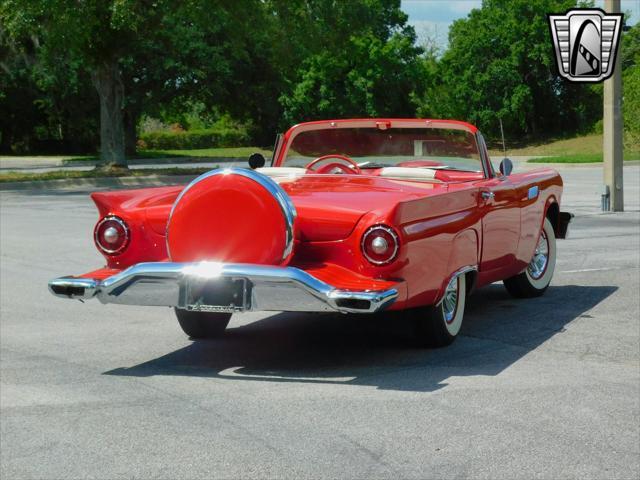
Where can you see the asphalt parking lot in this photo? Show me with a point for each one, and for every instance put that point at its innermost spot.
(540, 388)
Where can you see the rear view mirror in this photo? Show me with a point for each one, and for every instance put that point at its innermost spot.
(506, 166)
(257, 160)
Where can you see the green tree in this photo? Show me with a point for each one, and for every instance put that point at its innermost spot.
(630, 61)
(18, 93)
(140, 55)
(355, 58)
(500, 65)
(50, 109)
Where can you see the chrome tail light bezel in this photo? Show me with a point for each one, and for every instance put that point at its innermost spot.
(125, 228)
(389, 230)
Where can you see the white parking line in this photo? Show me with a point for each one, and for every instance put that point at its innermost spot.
(233, 372)
(594, 269)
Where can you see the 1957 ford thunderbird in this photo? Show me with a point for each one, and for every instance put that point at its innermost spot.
(353, 216)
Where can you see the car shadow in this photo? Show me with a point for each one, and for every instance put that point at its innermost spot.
(377, 350)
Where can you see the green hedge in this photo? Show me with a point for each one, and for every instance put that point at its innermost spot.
(192, 139)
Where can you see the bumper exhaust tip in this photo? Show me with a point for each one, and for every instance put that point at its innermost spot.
(353, 304)
(70, 287)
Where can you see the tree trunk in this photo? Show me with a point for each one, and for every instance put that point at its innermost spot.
(5, 141)
(108, 82)
(130, 133)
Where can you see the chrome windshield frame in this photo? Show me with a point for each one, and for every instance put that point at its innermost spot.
(288, 138)
(276, 147)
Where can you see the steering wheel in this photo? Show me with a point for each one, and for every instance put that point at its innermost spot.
(352, 168)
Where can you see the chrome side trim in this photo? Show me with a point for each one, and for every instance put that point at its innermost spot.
(457, 273)
(270, 288)
(286, 206)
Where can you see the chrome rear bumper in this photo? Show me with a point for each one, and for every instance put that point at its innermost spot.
(194, 286)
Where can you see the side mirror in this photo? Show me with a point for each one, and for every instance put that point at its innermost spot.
(506, 167)
(257, 160)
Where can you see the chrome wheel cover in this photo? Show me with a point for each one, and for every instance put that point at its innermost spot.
(540, 260)
(450, 300)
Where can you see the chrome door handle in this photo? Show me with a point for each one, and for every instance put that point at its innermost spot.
(488, 195)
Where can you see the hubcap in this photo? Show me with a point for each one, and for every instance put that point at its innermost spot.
(538, 264)
(450, 300)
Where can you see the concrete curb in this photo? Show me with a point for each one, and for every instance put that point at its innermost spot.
(36, 163)
(157, 161)
(98, 183)
(163, 180)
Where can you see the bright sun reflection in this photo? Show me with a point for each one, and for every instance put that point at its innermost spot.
(204, 270)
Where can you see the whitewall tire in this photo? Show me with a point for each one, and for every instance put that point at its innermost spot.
(537, 276)
(439, 325)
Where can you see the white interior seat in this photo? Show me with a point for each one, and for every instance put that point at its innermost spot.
(408, 172)
(281, 171)
(402, 173)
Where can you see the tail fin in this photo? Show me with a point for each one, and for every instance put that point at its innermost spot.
(110, 202)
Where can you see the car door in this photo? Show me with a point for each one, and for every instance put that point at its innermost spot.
(499, 206)
(498, 201)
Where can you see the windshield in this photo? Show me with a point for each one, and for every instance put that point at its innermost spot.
(440, 148)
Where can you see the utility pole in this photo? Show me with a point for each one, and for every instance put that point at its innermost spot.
(612, 129)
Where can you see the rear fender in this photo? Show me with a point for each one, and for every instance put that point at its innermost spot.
(463, 259)
(147, 244)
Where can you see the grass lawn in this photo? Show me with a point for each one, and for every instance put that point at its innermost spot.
(208, 153)
(584, 145)
(582, 158)
(97, 173)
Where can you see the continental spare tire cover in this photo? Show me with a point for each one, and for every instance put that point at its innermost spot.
(231, 215)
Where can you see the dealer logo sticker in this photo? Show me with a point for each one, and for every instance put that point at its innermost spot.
(586, 43)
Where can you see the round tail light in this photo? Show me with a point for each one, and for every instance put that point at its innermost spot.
(380, 244)
(111, 235)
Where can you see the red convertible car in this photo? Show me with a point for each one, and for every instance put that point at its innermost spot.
(353, 216)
